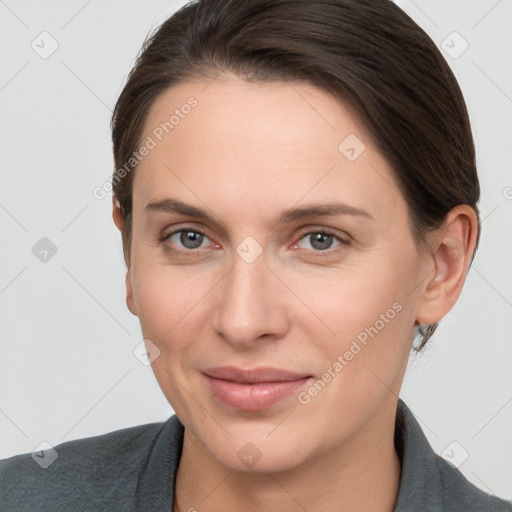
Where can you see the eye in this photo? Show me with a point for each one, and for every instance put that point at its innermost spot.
(320, 241)
(185, 239)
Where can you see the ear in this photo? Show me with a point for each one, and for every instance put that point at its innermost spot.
(452, 250)
(116, 213)
(118, 221)
(130, 302)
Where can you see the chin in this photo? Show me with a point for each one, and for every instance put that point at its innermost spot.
(261, 455)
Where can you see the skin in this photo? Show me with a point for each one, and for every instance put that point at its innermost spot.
(244, 154)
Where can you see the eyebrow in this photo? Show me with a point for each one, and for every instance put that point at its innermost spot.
(170, 205)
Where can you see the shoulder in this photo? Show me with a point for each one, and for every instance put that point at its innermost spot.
(458, 493)
(428, 481)
(85, 474)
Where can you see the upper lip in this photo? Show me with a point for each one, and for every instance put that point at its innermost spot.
(265, 374)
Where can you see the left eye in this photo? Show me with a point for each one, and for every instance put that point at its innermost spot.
(320, 240)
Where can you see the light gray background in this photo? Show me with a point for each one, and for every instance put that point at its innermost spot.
(67, 369)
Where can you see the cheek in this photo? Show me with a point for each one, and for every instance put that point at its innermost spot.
(365, 352)
(363, 324)
(170, 302)
(345, 303)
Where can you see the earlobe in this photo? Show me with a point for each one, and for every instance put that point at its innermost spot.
(116, 213)
(452, 252)
(130, 302)
(434, 282)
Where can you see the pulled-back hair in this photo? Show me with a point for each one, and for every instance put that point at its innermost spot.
(367, 53)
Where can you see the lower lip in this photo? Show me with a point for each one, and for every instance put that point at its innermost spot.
(253, 397)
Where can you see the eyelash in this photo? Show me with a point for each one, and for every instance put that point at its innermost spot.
(322, 254)
(165, 238)
(327, 252)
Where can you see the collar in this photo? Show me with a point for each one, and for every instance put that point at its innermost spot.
(420, 485)
(420, 482)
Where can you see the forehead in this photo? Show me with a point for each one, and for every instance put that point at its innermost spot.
(231, 138)
(291, 115)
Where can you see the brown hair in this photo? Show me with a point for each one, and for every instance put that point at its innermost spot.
(367, 53)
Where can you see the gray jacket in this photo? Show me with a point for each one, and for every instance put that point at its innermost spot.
(134, 469)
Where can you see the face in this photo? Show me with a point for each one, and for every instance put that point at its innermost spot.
(268, 232)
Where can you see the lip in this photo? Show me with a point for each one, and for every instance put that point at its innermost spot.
(252, 390)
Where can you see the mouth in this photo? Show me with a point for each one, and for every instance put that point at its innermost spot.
(252, 390)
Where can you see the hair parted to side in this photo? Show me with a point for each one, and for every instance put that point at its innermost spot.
(367, 53)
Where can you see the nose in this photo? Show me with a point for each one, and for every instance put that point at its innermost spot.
(251, 304)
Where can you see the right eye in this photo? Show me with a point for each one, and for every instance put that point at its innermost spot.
(186, 239)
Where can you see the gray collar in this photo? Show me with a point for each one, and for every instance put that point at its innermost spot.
(420, 483)
(420, 489)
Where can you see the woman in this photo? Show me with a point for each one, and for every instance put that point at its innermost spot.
(297, 194)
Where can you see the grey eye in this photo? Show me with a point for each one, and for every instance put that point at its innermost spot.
(188, 238)
(319, 240)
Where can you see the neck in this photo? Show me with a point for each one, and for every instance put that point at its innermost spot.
(361, 474)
